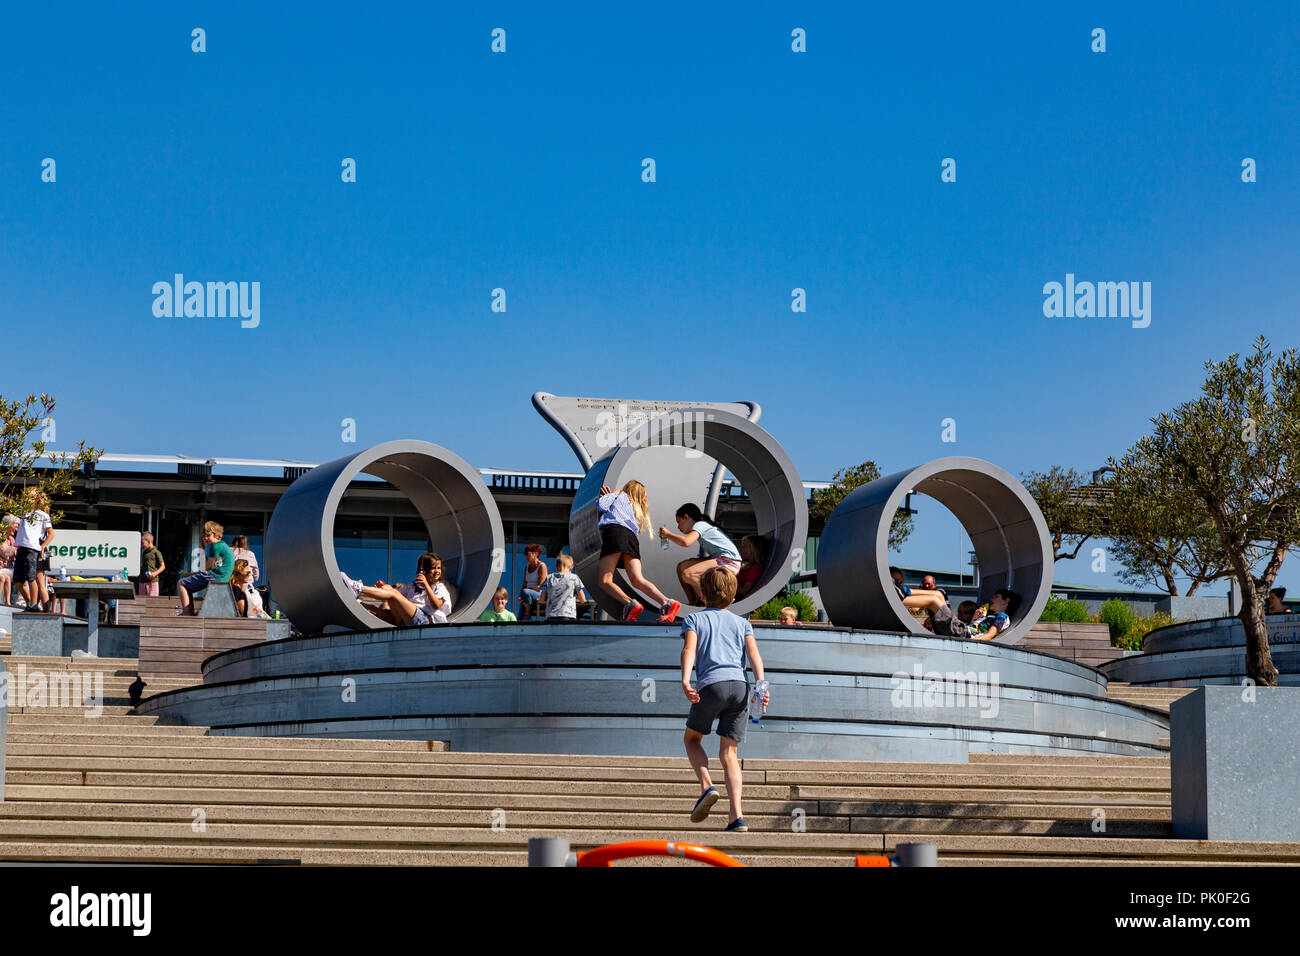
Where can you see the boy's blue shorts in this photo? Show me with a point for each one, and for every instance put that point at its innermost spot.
(197, 581)
(727, 701)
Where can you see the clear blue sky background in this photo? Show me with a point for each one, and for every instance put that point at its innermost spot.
(775, 170)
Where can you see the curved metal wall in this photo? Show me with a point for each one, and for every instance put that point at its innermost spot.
(1208, 652)
(457, 509)
(752, 456)
(1006, 529)
(615, 690)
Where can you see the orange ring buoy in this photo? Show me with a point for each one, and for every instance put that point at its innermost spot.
(604, 855)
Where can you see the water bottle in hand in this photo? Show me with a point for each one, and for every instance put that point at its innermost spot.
(663, 542)
(756, 705)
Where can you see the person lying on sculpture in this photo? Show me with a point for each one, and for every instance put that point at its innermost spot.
(987, 622)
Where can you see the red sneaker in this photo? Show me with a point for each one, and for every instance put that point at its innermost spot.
(632, 610)
(669, 612)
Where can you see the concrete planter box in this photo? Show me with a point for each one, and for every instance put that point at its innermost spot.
(1235, 764)
(52, 635)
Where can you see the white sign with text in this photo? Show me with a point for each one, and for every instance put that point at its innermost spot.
(95, 552)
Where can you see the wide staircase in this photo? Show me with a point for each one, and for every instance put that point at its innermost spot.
(125, 788)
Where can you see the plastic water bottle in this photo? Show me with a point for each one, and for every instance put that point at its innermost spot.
(663, 544)
(124, 575)
(63, 573)
(756, 706)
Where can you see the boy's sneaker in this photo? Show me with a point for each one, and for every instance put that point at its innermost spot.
(20, 605)
(737, 826)
(668, 612)
(632, 610)
(703, 805)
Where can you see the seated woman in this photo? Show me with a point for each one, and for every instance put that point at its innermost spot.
(754, 549)
(248, 602)
(716, 549)
(237, 579)
(986, 623)
(425, 600)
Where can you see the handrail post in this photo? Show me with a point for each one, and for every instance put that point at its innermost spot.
(916, 854)
(549, 851)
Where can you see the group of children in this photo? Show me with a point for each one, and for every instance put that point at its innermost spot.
(979, 622)
(24, 564)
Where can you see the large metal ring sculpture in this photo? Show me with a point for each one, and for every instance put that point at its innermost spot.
(1005, 526)
(457, 509)
(754, 459)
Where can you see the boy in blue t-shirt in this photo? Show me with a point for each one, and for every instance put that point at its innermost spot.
(716, 643)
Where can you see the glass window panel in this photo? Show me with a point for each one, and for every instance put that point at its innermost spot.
(361, 547)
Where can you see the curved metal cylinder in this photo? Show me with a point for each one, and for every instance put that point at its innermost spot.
(1006, 529)
(457, 509)
(652, 455)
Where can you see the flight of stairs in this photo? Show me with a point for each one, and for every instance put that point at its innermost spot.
(1157, 697)
(125, 788)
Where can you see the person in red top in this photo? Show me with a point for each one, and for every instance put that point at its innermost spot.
(753, 556)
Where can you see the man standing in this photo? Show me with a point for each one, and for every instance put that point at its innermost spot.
(35, 532)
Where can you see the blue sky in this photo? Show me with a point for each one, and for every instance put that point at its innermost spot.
(522, 170)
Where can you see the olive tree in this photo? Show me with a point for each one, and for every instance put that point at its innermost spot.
(1235, 451)
(823, 500)
(1069, 518)
(1153, 535)
(26, 423)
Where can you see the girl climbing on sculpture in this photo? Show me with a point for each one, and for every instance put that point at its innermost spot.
(624, 515)
(716, 549)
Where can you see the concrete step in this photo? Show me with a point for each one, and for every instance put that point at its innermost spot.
(110, 710)
(597, 791)
(368, 856)
(676, 816)
(276, 839)
(324, 804)
(403, 764)
(1089, 798)
(305, 781)
(192, 739)
(432, 753)
(1085, 847)
(253, 834)
(74, 720)
(1109, 763)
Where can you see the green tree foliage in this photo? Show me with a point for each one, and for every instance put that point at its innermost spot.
(1236, 452)
(1154, 535)
(824, 500)
(22, 446)
(1069, 519)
